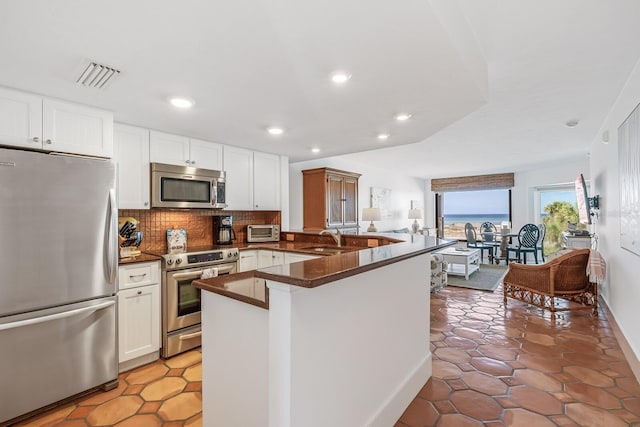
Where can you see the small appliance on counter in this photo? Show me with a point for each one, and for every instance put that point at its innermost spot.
(263, 233)
(129, 238)
(223, 233)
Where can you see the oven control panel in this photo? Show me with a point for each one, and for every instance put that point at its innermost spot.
(194, 259)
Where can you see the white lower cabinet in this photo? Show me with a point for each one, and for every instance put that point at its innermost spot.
(261, 258)
(247, 261)
(270, 258)
(138, 314)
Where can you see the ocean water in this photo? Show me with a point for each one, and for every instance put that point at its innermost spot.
(475, 218)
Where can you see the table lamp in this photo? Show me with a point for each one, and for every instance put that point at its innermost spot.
(371, 214)
(415, 215)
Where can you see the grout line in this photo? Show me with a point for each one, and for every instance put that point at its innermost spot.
(628, 352)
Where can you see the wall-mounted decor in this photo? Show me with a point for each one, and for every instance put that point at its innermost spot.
(381, 199)
(629, 170)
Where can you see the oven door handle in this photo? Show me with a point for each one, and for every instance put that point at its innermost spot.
(189, 336)
(223, 269)
(191, 275)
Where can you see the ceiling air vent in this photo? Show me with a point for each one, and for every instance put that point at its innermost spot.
(97, 75)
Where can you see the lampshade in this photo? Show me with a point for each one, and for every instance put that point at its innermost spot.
(371, 214)
(415, 214)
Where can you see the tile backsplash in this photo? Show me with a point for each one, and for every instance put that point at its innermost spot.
(154, 224)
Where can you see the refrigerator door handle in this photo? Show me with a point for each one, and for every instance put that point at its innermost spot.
(51, 317)
(112, 247)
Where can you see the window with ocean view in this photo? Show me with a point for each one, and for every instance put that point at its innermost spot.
(476, 207)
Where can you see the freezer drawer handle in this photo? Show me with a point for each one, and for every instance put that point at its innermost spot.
(189, 336)
(56, 316)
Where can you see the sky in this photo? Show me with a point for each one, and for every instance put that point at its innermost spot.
(476, 202)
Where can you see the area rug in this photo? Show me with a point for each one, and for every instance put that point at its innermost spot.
(486, 279)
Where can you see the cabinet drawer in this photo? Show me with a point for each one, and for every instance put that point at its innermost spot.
(142, 274)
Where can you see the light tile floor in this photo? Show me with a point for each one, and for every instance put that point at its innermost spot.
(491, 366)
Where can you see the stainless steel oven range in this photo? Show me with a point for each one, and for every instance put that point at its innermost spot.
(181, 301)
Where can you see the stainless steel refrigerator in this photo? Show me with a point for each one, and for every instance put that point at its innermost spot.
(58, 265)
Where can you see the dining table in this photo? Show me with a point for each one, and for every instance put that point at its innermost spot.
(502, 236)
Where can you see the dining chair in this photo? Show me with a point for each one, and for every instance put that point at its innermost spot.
(540, 245)
(528, 237)
(489, 234)
(472, 242)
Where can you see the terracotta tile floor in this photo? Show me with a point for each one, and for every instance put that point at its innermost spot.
(165, 393)
(515, 367)
(491, 367)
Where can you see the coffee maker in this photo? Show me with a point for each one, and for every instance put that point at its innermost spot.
(223, 233)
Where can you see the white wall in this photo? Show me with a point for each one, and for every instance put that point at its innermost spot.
(403, 190)
(525, 184)
(621, 288)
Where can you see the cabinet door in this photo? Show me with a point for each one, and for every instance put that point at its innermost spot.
(350, 200)
(206, 155)
(238, 164)
(247, 261)
(277, 258)
(131, 151)
(265, 259)
(334, 201)
(138, 322)
(169, 149)
(74, 128)
(20, 119)
(266, 188)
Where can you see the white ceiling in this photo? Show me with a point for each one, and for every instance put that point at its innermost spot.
(490, 83)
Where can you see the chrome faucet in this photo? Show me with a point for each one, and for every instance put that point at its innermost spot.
(336, 236)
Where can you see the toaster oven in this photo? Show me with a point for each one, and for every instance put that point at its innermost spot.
(263, 233)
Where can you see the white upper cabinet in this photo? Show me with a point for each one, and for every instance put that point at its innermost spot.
(253, 179)
(169, 149)
(238, 165)
(28, 120)
(206, 155)
(20, 119)
(266, 186)
(73, 128)
(131, 151)
(184, 151)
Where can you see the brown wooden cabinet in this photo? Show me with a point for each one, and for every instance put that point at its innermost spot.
(330, 199)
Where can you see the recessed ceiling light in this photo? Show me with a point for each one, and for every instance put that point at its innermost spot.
(383, 136)
(340, 77)
(572, 123)
(315, 150)
(403, 117)
(180, 102)
(275, 130)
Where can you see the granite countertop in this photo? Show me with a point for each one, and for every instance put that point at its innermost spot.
(319, 271)
(143, 257)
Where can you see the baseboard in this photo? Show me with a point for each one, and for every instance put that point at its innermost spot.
(400, 398)
(631, 357)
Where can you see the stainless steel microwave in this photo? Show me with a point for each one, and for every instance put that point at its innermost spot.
(186, 187)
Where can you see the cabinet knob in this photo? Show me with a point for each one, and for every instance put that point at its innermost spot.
(48, 141)
(146, 203)
(256, 206)
(139, 292)
(193, 162)
(36, 139)
(187, 162)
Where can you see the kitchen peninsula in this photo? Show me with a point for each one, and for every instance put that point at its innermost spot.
(341, 340)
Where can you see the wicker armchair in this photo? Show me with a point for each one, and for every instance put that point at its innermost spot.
(563, 277)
